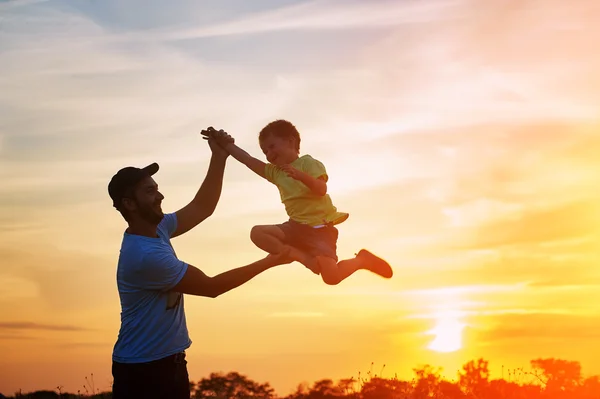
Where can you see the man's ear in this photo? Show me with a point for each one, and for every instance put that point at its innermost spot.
(128, 204)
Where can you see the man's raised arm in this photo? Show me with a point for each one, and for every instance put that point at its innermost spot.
(205, 201)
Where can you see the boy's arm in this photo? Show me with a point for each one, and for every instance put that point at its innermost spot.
(256, 165)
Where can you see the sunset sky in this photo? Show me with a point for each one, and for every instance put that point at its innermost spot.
(460, 135)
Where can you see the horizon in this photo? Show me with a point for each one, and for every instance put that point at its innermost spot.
(461, 138)
(546, 377)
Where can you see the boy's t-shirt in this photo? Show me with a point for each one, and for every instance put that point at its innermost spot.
(153, 323)
(301, 204)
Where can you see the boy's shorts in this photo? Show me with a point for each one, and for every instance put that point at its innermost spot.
(315, 241)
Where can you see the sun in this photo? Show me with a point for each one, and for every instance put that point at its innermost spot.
(448, 334)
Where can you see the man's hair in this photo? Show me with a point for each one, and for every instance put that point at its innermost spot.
(282, 129)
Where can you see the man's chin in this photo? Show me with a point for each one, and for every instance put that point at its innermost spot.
(158, 217)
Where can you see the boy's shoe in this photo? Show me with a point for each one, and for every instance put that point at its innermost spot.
(375, 264)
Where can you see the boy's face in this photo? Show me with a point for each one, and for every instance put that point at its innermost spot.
(279, 151)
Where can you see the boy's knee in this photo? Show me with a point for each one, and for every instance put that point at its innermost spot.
(256, 231)
(329, 271)
(330, 280)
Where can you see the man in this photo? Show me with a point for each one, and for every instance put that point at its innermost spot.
(149, 355)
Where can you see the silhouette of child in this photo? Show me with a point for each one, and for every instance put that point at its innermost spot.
(310, 234)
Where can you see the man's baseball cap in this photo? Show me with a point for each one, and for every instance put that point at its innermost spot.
(126, 179)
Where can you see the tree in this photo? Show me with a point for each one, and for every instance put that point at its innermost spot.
(448, 390)
(590, 388)
(325, 389)
(232, 386)
(381, 388)
(474, 379)
(428, 380)
(557, 375)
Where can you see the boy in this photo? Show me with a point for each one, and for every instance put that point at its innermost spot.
(310, 234)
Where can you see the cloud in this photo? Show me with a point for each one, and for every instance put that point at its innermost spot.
(521, 268)
(85, 345)
(15, 288)
(565, 222)
(33, 326)
(295, 315)
(61, 280)
(326, 15)
(9, 337)
(535, 327)
(8, 5)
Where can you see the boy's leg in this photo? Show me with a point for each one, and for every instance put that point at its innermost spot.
(333, 273)
(269, 238)
(272, 239)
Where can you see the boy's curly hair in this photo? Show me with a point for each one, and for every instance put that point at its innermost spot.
(280, 128)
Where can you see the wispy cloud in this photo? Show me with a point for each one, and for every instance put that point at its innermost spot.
(295, 314)
(7, 5)
(329, 15)
(84, 345)
(24, 325)
(535, 327)
(9, 337)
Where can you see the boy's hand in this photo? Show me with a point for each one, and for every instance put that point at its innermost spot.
(292, 172)
(317, 186)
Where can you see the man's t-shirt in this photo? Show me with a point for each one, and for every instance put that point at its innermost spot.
(301, 204)
(153, 322)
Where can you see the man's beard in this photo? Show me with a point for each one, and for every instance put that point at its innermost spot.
(150, 215)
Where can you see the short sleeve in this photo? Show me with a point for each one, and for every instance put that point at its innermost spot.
(271, 172)
(314, 168)
(168, 224)
(160, 270)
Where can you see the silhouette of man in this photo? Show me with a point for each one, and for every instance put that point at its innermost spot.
(149, 354)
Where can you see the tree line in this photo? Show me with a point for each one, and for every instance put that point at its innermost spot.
(547, 379)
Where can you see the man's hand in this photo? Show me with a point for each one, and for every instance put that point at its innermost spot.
(219, 137)
(281, 258)
(217, 140)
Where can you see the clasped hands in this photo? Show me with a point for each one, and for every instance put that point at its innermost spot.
(219, 140)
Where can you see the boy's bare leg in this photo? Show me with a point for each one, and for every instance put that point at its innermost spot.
(270, 239)
(333, 273)
(307, 260)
